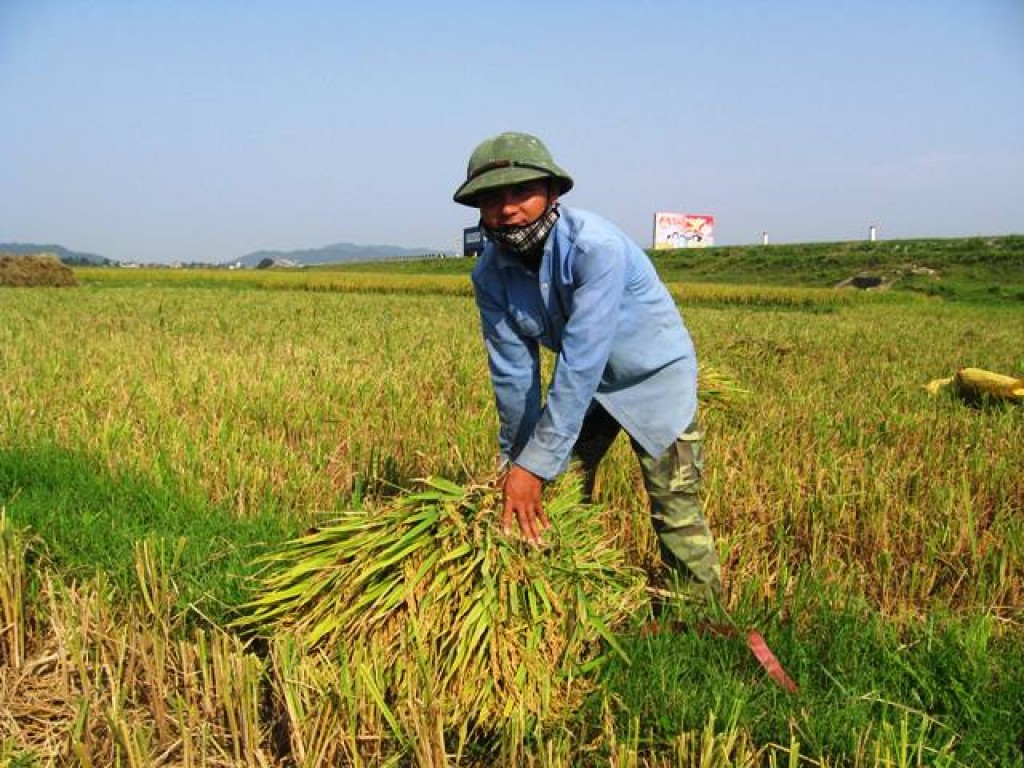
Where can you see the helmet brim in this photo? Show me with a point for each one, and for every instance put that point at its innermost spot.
(506, 177)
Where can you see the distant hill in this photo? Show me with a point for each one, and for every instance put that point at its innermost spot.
(65, 255)
(338, 253)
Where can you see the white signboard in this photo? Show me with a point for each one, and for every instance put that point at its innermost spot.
(683, 230)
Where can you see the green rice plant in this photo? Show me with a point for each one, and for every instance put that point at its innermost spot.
(502, 625)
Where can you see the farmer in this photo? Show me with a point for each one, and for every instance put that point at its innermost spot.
(573, 282)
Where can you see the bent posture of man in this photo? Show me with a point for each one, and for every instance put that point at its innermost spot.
(573, 282)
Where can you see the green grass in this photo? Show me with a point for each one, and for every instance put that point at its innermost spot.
(966, 268)
(953, 679)
(90, 521)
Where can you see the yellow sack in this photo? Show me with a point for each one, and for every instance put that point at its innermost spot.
(975, 383)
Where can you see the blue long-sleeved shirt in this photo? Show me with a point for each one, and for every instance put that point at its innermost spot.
(597, 302)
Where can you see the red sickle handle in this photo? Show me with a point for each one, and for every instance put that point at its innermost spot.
(767, 660)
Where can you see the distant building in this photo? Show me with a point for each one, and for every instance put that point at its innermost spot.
(473, 241)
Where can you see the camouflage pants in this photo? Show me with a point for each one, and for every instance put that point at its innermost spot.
(673, 482)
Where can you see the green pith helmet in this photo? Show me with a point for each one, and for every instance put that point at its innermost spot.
(506, 159)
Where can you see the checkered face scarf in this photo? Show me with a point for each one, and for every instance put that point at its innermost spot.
(525, 239)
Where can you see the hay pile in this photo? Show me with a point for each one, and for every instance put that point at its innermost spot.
(429, 586)
(40, 270)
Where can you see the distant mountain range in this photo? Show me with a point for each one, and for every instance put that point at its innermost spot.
(65, 255)
(329, 254)
(334, 254)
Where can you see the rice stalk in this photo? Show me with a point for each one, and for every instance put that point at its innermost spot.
(717, 388)
(13, 584)
(506, 627)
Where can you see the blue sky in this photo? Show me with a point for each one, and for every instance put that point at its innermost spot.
(201, 130)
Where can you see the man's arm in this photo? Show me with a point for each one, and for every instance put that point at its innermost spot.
(599, 283)
(514, 365)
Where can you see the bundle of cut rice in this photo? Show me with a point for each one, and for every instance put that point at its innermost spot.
(503, 625)
(976, 385)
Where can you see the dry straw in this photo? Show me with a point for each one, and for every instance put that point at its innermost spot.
(40, 269)
(13, 584)
(428, 586)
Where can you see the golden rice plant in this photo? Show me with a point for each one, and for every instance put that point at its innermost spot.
(13, 583)
(717, 388)
(430, 579)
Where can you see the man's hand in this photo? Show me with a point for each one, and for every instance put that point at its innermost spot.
(522, 496)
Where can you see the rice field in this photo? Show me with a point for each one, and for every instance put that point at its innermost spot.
(159, 434)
